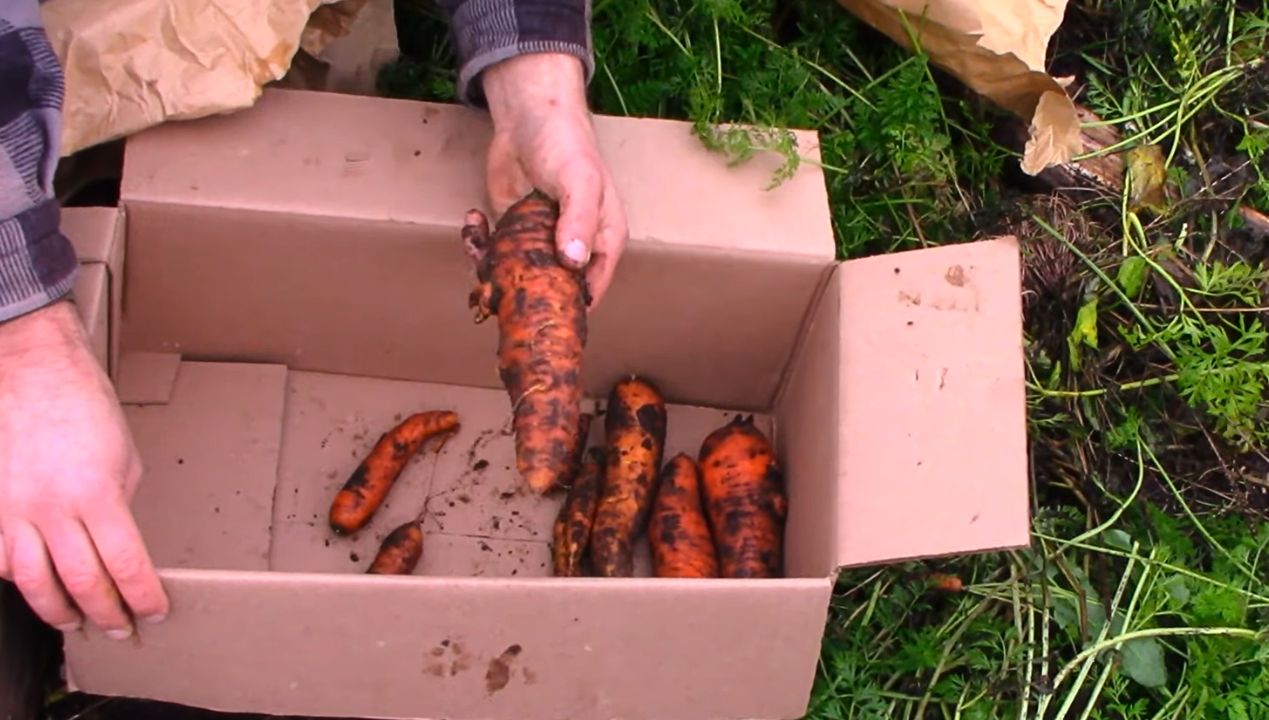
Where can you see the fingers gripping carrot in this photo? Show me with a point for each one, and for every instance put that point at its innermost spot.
(635, 438)
(678, 532)
(400, 551)
(541, 310)
(744, 499)
(572, 531)
(368, 486)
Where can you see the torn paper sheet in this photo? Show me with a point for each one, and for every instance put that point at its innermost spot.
(132, 64)
(997, 49)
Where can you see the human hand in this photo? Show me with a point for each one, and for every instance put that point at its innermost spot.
(68, 468)
(543, 138)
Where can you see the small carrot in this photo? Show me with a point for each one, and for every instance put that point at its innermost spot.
(678, 532)
(572, 530)
(742, 486)
(634, 429)
(945, 582)
(368, 486)
(541, 308)
(400, 551)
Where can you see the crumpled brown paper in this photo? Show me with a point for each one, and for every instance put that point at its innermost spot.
(997, 49)
(132, 64)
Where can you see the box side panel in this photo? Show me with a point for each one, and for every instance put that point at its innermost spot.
(91, 293)
(116, 263)
(91, 231)
(97, 236)
(389, 159)
(808, 414)
(390, 300)
(933, 425)
(396, 647)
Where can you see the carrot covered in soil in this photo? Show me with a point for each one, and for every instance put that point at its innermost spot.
(369, 484)
(575, 462)
(744, 499)
(572, 531)
(541, 308)
(400, 551)
(678, 532)
(634, 429)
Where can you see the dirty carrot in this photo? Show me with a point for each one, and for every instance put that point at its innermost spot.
(634, 430)
(678, 532)
(572, 531)
(400, 551)
(744, 499)
(575, 461)
(541, 310)
(369, 484)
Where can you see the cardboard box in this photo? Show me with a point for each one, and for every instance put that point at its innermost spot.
(296, 283)
(97, 236)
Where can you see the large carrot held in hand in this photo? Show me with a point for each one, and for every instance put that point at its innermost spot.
(400, 551)
(541, 309)
(634, 429)
(744, 499)
(368, 486)
(678, 532)
(572, 531)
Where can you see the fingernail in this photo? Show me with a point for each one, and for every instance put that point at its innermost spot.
(576, 251)
(69, 627)
(155, 619)
(119, 633)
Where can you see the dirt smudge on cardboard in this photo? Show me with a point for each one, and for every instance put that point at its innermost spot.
(499, 672)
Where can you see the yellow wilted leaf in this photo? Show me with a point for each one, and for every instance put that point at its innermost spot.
(1145, 177)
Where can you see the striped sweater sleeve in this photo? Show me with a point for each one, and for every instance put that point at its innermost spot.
(37, 262)
(485, 32)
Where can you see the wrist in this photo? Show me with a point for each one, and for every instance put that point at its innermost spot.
(53, 328)
(533, 81)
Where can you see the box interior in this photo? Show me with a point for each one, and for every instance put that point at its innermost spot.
(246, 444)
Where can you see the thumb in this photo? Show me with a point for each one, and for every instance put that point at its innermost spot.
(582, 190)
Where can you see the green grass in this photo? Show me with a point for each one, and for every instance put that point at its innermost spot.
(1147, 583)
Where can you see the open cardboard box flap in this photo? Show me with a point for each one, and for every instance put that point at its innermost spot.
(97, 235)
(294, 288)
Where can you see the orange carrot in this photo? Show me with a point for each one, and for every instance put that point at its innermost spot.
(400, 551)
(678, 532)
(368, 486)
(572, 531)
(574, 466)
(541, 309)
(634, 430)
(742, 486)
(946, 582)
